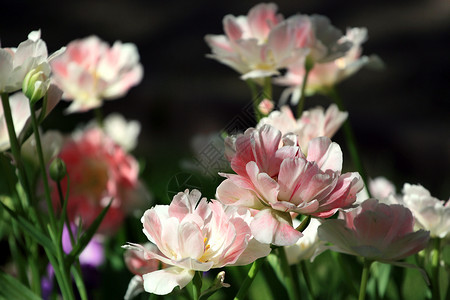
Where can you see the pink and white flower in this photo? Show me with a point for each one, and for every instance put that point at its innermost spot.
(312, 123)
(100, 171)
(90, 71)
(429, 212)
(375, 231)
(279, 180)
(257, 45)
(194, 235)
(326, 75)
(15, 63)
(261, 43)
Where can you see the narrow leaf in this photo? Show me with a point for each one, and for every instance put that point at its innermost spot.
(14, 289)
(86, 236)
(31, 230)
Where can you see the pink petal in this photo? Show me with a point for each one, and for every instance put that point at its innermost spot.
(326, 154)
(261, 18)
(232, 28)
(229, 193)
(272, 227)
(190, 238)
(266, 187)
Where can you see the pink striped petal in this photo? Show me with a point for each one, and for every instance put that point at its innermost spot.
(272, 227)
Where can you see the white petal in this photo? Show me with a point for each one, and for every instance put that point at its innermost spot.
(162, 282)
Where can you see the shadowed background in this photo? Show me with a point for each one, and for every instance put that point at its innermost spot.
(401, 116)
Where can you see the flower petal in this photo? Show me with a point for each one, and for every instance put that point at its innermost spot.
(162, 282)
(272, 227)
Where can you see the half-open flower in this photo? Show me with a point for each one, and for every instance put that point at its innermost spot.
(375, 231)
(194, 235)
(15, 63)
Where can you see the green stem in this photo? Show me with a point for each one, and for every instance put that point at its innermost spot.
(309, 65)
(64, 208)
(289, 282)
(304, 224)
(350, 138)
(99, 116)
(43, 170)
(65, 281)
(435, 258)
(255, 98)
(197, 285)
(267, 89)
(78, 275)
(249, 279)
(364, 279)
(15, 147)
(307, 278)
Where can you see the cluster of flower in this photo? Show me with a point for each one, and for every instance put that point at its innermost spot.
(285, 168)
(288, 172)
(96, 157)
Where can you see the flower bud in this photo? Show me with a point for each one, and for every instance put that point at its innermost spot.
(57, 169)
(265, 107)
(36, 83)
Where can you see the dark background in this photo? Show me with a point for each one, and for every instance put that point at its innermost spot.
(401, 116)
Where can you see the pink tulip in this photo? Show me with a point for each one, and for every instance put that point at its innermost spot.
(327, 74)
(256, 45)
(312, 123)
(90, 71)
(99, 170)
(278, 180)
(375, 231)
(194, 235)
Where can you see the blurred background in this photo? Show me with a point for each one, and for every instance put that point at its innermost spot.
(401, 116)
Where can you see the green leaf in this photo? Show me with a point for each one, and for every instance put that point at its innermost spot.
(77, 276)
(14, 289)
(383, 273)
(31, 230)
(86, 236)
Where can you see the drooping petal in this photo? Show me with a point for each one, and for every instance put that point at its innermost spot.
(162, 282)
